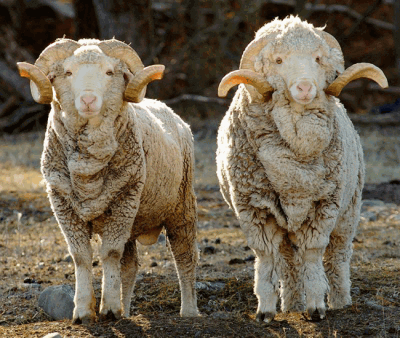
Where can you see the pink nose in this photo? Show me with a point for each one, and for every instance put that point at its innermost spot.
(88, 99)
(304, 87)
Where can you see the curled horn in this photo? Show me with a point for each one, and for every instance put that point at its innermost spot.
(359, 70)
(41, 88)
(247, 77)
(136, 88)
(247, 73)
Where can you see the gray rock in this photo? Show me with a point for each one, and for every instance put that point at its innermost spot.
(161, 238)
(210, 286)
(58, 301)
(53, 335)
(372, 203)
(369, 216)
(68, 258)
(220, 315)
(394, 218)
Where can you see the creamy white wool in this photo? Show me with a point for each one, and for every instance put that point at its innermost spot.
(293, 175)
(124, 175)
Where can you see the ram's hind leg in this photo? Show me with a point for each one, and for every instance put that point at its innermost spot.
(181, 235)
(266, 286)
(129, 268)
(337, 268)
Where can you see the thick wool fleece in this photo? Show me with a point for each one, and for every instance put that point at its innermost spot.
(294, 179)
(125, 175)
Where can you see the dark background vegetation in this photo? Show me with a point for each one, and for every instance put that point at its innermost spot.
(198, 41)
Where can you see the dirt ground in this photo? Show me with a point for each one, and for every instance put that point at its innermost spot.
(33, 256)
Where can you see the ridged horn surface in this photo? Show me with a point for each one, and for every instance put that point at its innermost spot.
(332, 43)
(41, 89)
(252, 51)
(134, 91)
(245, 76)
(359, 70)
(61, 49)
(122, 51)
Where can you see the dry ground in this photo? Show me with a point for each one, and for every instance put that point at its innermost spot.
(32, 249)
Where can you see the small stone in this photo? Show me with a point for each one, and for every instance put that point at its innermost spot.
(236, 261)
(220, 315)
(58, 301)
(53, 335)
(372, 203)
(68, 258)
(210, 286)
(394, 218)
(209, 250)
(153, 264)
(369, 216)
(250, 258)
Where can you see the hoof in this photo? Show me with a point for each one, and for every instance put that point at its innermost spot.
(266, 317)
(109, 316)
(315, 315)
(86, 320)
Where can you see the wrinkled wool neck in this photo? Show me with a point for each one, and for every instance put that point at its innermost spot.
(307, 130)
(89, 149)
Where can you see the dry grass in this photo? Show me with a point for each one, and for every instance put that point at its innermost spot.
(31, 246)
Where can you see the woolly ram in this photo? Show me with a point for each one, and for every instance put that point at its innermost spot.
(118, 169)
(290, 165)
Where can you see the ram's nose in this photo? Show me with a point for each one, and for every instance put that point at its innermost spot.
(304, 87)
(88, 99)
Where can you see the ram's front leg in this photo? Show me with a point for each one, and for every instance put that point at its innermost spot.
(315, 238)
(77, 235)
(115, 234)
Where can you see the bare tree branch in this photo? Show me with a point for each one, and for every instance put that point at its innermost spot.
(198, 98)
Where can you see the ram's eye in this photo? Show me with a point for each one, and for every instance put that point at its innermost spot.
(278, 61)
(68, 73)
(110, 72)
(318, 59)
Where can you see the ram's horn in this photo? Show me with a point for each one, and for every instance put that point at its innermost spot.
(135, 90)
(41, 89)
(355, 72)
(245, 76)
(252, 51)
(122, 51)
(333, 43)
(61, 49)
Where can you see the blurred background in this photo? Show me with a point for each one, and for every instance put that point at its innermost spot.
(198, 41)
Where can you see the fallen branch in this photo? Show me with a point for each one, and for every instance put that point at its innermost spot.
(198, 98)
(389, 119)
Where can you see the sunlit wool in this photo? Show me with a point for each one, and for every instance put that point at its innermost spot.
(118, 169)
(290, 165)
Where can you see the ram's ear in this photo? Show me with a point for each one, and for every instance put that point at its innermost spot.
(248, 77)
(354, 72)
(41, 89)
(136, 87)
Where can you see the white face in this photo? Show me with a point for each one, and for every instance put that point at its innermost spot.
(89, 83)
(302, 73)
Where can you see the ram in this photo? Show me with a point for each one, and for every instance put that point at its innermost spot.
(290, 165)
(118, 169)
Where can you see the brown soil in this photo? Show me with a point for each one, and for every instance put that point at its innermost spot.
(32, 248)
